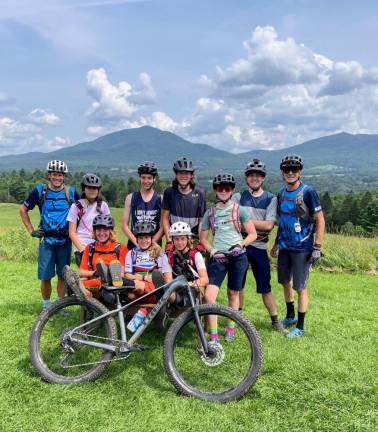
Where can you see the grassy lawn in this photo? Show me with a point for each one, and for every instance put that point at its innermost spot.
(327, 381)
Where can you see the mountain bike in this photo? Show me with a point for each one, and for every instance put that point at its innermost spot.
(77, 345)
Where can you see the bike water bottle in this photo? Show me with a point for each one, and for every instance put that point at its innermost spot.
(137, 319)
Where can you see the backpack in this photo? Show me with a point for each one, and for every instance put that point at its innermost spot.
(81, 211)
(54, 212)
(301, 209)
(191, 258)
(234, 216)
(92, 251)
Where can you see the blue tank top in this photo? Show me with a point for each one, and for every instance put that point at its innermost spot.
(142, 211)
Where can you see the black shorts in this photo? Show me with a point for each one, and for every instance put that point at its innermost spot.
(293, 265)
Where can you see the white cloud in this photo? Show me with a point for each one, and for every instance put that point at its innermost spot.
(58, 142)
(41, 116)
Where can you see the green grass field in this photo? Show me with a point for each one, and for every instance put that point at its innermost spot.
(327, 381)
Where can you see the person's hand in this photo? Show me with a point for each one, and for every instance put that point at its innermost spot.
(220, 258)
(39, 233)
(236, 250)
(274, 251)
(316, 254)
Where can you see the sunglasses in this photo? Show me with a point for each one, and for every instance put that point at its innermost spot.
(291, 169)
(224, 188)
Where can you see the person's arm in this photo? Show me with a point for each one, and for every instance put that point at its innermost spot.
(204, 241)
(25, 218)
(263, 225)
(166, 224)
(249, 228)
(72, 232)
(159, 234)
(320, 228)
(126, 219)
(84, 269)
(167, 277)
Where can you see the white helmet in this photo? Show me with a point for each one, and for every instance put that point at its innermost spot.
(57, 166)
(180, 229)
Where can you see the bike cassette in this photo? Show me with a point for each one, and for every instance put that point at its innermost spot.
(215, 356)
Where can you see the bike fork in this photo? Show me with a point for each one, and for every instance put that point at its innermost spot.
(197, 319)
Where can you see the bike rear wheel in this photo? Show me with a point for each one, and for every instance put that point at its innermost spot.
(57, 358)
(224, 374)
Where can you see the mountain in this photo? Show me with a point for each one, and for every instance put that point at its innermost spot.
(120, 152)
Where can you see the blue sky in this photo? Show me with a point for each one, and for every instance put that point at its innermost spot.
(235, 74)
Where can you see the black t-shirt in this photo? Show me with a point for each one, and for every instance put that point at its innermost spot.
(187, 208)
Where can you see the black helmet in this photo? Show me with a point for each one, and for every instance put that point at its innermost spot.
(183, 164)
(224, 178)
(256, 166)
(147, 168)
(143, 228)
(292, 161)
(91, 180)
(103, 220)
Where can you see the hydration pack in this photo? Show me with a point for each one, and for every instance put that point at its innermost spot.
(301, 209)
(92, 251)
(234, 216)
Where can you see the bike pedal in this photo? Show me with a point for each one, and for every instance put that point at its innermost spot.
(138, 348)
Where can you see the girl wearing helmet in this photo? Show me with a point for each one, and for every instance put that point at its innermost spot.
(227, 250)
(103, 249)
(82, 213)
(142, 260)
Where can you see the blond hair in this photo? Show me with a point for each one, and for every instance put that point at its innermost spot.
(112, 236)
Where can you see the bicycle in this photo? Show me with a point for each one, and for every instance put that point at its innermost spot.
(78, 345)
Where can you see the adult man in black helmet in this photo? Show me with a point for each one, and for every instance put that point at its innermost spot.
(262, 207)
(183, 201)
(143, 206)
(299, 239)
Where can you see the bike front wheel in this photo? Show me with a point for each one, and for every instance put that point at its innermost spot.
(60, 360)
(228, 370)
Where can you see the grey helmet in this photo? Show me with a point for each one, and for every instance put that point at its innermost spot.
(183, 164)
(147, 167)
(180, 229)
(143, 228)
(57, 166)
(291, 161)
(255, 166)
(224, 178)
(91, 180)
(103, 220)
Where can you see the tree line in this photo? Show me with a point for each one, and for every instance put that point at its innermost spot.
(350, 214)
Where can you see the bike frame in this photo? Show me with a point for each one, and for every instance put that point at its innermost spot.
(127, 345)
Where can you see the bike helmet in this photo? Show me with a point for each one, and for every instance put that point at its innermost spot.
(147, 168)
(256, 166)
(180, 229)
(103, 220)
(291, 161)
(183, 164)
(57, 166)
(224, 178)
(91, 180)
(143, 228)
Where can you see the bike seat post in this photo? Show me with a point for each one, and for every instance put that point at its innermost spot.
(121, 319)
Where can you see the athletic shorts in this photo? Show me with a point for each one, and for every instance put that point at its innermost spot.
(260, 265)
(52, 259)
(235, 268)
(293, 265)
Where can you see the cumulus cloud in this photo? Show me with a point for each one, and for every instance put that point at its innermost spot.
(41, 116)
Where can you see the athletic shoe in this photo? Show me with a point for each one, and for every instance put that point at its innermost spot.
(115, 273)
(287, 322)
(102, 271)
(214, 338)
(278, 326)
(161, 318)
(295, 333)
(157, 278)
(229, 335)
(72, 279)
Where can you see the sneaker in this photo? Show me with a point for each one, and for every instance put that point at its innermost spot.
(287, 322)
(102, 271)
(229, 335)
(72, 279)
(214, 338)
(279, 327)
(115, 273)
(295, 333)
(161, 318)
(157, 278)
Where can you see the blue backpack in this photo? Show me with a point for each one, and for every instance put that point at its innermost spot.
(54, 211)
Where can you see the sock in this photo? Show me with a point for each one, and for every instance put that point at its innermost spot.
(214, 332)
(290, 312)
(274, 318)
(46, 303)
(301, 317)
(230, 326)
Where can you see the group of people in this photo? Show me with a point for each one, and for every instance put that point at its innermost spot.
(217, 241)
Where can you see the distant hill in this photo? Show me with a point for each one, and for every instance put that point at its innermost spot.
(335, 157)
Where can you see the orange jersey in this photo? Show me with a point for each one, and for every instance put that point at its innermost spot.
(107, 253)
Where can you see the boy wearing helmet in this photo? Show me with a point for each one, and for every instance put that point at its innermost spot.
(262, 207)
(183, 201)
(53, 201)
(82, 213)
(143, 206)
(299, 239)
(225, 221)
